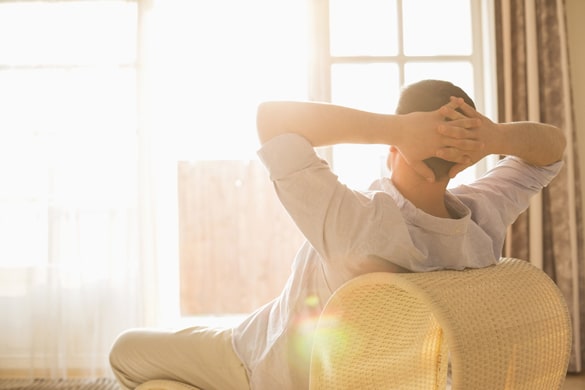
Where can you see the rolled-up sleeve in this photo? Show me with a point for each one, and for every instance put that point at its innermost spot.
(304, 184)
(285, 154)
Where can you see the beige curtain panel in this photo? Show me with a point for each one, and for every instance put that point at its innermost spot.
(534, 84)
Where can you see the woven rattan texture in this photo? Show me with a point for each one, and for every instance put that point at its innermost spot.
(367, 341)
(59, 384)
(506, 326)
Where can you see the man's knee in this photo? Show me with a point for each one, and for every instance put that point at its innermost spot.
(120, 359)
(119, 348)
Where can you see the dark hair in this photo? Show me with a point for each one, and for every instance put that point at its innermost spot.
(430, 95)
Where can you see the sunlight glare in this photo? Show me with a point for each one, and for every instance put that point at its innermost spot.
(212, 68)
(365, 27)
(444, 28)
(104, 33)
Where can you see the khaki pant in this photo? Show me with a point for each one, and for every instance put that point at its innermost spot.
(199, 356)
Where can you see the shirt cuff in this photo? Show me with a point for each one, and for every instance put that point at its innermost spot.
(542, 174)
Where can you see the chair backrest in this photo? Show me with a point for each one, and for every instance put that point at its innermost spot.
(503, 327)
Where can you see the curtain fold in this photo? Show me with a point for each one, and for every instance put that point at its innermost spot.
(534, 84)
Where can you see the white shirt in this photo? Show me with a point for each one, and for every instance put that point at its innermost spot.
(350, 233)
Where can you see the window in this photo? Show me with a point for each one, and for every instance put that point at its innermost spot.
(210, 66)
(362, 53)
(375, 47)
(72, 142)
(68, 199)
(67, 128)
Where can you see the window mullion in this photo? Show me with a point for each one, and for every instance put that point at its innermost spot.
(320, 58)
(398, 59)
(400, 34)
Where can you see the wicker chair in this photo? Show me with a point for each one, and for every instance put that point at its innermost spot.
(502, 327)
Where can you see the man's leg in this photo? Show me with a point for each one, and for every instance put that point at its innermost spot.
(200, 356)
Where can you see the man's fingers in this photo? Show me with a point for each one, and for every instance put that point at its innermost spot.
(460, 138)
(461, 128)
(450, 113)
(464, 145)
(454, 155)
(455, 102)
(450, 110)
(467, 110)
(457, 108)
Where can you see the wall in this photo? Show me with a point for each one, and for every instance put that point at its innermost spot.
(576, 32)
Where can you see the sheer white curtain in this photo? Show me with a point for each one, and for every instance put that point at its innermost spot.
(69, 216)
(99, 100)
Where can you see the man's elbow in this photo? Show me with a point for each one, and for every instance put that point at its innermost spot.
(560, 144)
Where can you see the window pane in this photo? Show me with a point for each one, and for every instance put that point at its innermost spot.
(86, 32)
(441, 29)
(24, 232)
(459, 73)
(94, 171)
(79, 100)
(371, 87)
(365, 27)
(359, 165)
(67, 129)
(257, 52)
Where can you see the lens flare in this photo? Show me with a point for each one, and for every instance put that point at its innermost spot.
(331, 331)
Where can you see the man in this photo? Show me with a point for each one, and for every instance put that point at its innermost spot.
(409, 222)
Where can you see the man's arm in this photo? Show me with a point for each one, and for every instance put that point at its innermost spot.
(536, 143)
(415, 134)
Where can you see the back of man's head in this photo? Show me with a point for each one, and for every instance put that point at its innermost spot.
(430, 95)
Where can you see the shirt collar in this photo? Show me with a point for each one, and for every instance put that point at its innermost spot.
(417, 217)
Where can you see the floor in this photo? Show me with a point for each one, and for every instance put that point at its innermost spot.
(59, 384)
(575, 382)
